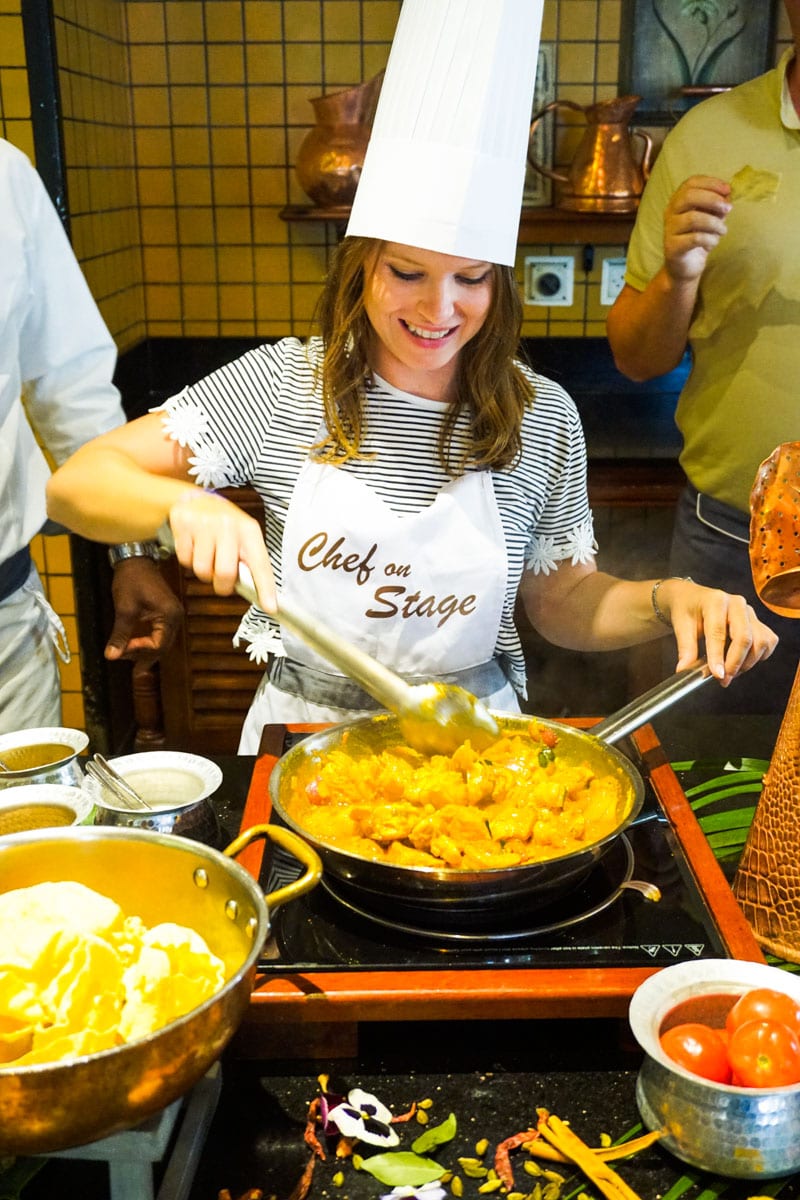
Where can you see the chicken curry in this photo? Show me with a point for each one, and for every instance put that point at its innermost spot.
(515, 803)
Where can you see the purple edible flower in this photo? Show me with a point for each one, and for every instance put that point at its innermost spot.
(361, 1116)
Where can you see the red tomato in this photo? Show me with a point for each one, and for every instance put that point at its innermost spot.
(699, 1049)
(764, 1054)
(764, 1004)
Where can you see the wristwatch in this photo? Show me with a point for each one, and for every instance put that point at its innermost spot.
(152, 550)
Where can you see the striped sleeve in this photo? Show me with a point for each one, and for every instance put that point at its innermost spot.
(551, 475)
(227, 418)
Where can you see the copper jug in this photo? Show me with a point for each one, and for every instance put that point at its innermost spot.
(604, 176)
(331, 154)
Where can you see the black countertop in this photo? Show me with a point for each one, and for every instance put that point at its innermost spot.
(492, 1075)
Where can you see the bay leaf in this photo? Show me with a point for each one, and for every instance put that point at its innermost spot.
(401, 1168)
(435, 1135)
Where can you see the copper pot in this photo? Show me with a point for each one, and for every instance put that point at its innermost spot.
(332, 154)
(158, 877)
(604, 175)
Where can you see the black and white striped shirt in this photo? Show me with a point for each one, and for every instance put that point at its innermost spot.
(253, 421)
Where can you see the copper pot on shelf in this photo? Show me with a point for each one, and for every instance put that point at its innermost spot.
(604, 175)
(331, 154)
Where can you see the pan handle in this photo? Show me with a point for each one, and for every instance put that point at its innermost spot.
(299, 849)
(625, 720)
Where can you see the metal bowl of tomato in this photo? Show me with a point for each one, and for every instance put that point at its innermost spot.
(711, 1118)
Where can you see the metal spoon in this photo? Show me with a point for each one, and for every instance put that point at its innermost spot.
(434, 718)
(103, 773)
(4, 767)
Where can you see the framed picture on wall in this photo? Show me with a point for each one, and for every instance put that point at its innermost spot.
(673, 52)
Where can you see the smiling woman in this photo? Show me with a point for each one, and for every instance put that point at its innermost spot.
(424, 308)
(418, 479)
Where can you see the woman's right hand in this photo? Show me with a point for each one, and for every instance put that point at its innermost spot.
(213, 536)
(694, 223)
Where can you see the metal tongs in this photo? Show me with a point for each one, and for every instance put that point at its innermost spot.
(99, 769)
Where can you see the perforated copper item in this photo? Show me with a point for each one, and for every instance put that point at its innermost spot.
(775, 530)
(767, 881)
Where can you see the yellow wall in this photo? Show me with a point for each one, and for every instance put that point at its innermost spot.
(15, 106)
(182, 122)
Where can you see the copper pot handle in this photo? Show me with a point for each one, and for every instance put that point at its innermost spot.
(295, 845)
(551, 107)
(644, 165)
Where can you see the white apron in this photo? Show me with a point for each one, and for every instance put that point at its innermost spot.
(422, 592)
(31, 634)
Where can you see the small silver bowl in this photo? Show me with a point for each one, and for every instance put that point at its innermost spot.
(41, 806)
(178, 787)
(737, 1132)
(45, 755)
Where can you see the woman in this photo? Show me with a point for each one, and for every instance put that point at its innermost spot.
(416, 480)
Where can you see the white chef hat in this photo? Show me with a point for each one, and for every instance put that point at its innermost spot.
(445, 165)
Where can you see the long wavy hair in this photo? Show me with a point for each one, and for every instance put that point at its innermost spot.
(490, 387)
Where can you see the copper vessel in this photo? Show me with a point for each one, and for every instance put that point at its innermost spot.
(331, 154)
(775, 530)
(51, 1106)
(605, 175)
(767, 880)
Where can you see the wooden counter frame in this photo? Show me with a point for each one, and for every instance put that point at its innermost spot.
(333, 999)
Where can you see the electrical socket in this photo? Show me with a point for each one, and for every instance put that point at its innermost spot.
(612, 280)
(549, 281)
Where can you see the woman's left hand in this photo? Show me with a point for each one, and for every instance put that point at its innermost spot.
(735, 639)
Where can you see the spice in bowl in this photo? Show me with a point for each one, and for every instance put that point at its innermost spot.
(166, 787)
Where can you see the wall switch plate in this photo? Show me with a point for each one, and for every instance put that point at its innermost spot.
(549, 280)
(612, 280)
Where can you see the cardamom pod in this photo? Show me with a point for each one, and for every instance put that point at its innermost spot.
(473, 1168)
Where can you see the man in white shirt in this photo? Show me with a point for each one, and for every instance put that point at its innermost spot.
(57, 360)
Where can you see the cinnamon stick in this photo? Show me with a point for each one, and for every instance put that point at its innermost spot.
(604, 1177)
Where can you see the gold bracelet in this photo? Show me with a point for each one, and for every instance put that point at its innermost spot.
(662, 616)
